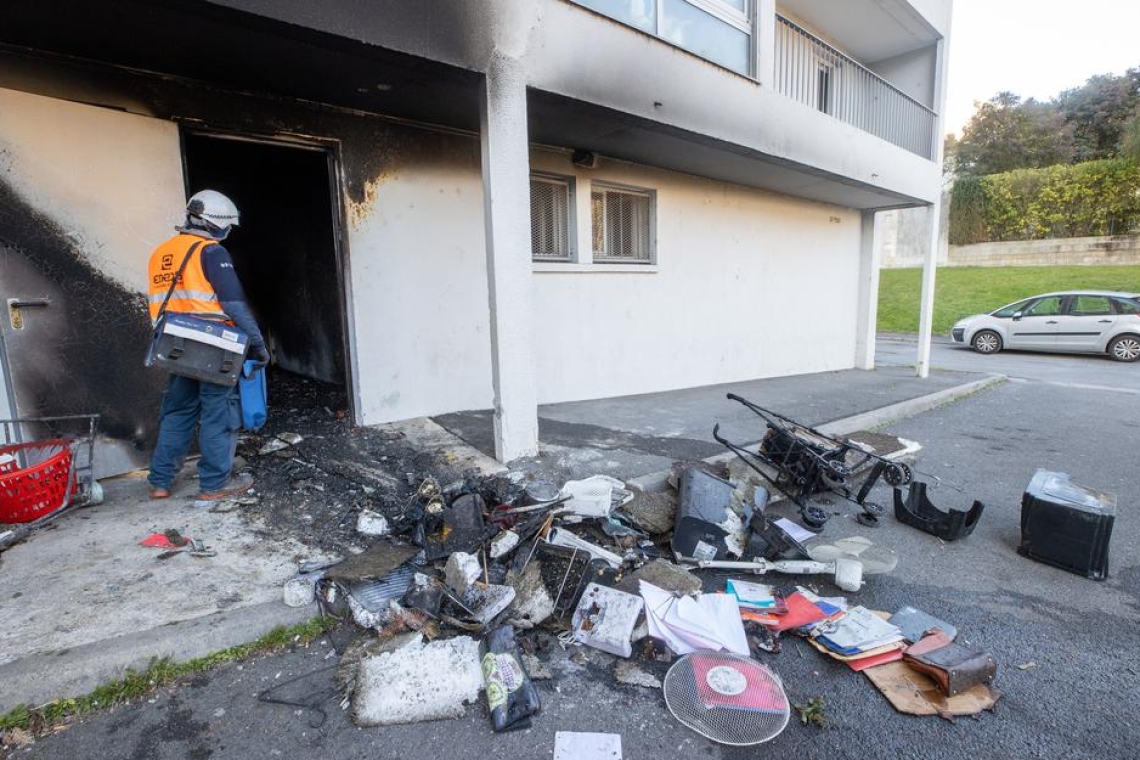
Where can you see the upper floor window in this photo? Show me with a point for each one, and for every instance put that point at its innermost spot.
(719, 30)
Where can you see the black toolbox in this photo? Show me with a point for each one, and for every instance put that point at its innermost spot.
(203, 349)
(1067, 525)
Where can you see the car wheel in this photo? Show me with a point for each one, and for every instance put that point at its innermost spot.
(986, 342)
(1125, 348)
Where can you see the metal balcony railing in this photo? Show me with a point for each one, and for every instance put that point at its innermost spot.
(816, 74)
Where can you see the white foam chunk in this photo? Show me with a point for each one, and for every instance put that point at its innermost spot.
(418, 683)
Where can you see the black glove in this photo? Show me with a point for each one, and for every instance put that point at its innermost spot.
(260, 357)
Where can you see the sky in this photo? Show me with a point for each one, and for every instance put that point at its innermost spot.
(1035, 48)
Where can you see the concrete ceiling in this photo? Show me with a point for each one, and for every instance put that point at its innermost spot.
(563, 122)
(239, 51)
(868, 30)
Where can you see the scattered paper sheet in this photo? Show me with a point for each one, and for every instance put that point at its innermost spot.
(574, 745)
(711, 621)
(795, 530)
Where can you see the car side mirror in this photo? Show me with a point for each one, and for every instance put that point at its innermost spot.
(1017, 315)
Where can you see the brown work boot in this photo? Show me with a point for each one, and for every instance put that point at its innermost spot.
(236, 486)
(159, 493)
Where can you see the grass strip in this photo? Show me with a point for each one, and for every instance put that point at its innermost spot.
(160, 672)
(962, 291)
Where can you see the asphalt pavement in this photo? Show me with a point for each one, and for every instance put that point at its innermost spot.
(1067, 672)
(1091, 371)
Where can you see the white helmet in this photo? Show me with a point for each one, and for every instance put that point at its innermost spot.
(214, 211)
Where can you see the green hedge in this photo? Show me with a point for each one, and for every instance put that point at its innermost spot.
(1077, 200)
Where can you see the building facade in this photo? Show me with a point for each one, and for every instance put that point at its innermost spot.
(464, 205)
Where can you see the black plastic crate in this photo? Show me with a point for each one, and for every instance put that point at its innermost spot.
(1067, 525)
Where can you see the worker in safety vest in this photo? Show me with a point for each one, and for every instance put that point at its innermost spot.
(208, 288)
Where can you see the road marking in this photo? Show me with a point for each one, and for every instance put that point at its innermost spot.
(1079, 386)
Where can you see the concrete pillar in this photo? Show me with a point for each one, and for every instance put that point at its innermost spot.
(868, 303)
(765, 36)
(506, 208)
(926, 309)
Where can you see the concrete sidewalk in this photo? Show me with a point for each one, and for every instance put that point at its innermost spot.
(630, 436)
(81, 601)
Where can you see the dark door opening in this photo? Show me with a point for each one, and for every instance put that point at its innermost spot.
(285, 249)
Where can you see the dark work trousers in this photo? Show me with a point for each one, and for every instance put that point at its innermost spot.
(213, 409)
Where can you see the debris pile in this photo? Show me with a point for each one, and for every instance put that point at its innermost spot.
(473, 583)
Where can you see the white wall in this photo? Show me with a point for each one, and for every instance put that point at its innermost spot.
(748, 284)
(913, 73)
(112, 180)
(419, 280)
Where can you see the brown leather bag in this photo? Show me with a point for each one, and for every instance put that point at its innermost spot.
(953, 667)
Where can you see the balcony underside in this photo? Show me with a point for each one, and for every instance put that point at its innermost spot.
(249, 53)
(560, 121)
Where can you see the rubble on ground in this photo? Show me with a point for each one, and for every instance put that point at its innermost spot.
(437, 563)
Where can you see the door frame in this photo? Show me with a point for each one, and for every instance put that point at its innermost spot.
(331, 147)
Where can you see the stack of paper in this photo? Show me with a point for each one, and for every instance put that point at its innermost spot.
(685, 624)
(757, 597)
(859, 637)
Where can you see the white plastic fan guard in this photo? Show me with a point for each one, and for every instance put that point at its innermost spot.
(729, 698)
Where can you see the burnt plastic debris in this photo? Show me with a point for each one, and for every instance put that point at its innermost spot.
(511, 697)
(917, 512)
(566, 573)
(703, 508)
(456, 528)
(769, 541)
(1067, 525)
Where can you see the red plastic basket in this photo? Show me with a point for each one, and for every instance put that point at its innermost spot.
(41, 487)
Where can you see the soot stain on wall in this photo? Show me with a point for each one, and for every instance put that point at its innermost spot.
(95, 362)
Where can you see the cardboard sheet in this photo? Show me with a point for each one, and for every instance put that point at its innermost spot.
(914, 693)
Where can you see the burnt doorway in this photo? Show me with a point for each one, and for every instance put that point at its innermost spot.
(286, 248)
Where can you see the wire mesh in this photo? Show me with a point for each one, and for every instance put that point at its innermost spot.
(622, 225)
(550, 219)
(728, 698)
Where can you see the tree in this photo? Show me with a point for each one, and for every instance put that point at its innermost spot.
(1129, 146)
(1098, 111)
(1006, 133)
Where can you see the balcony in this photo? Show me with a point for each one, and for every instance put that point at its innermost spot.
(814, 73)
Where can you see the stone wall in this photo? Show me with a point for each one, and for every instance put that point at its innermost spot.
(1086, 251)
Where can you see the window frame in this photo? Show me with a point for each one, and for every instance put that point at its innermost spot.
(599, 257)
(721, 10)
(1075, 299)
(569, 182)
(1124, 306)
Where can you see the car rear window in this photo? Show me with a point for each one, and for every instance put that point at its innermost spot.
(1125, 306)
(1090, 306)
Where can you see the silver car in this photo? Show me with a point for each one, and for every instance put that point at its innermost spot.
(1078, 321)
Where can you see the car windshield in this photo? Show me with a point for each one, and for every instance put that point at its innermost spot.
(1013, 308)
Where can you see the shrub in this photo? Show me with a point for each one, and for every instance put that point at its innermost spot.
(1077, 200)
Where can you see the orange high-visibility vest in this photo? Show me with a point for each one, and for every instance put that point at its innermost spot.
(194, 294)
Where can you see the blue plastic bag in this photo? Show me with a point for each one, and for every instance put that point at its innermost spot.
(253, 395)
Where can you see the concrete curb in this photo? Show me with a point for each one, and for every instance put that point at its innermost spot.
(42, 678)
(659, 481)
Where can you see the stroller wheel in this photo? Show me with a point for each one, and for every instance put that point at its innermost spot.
(814, 517)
